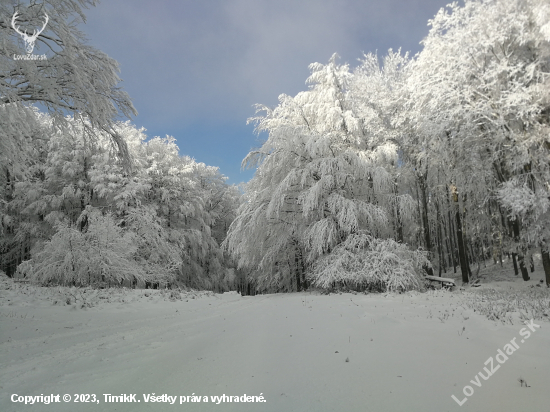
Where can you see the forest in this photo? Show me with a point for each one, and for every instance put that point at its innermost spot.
(369, 179)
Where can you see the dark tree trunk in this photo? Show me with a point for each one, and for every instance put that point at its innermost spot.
(461, 251)
(514, 254)
(545, 252)
(472, 257)
(454, 240)
(10, 186)
(521, 258)
(303, 278)
(464, 267)
(440, 241)
(424, 210)
(515, 263)
(523, 268)
(418, 235)
(398, 220)
(399, 224)
(298, 268)
(425, 222)
(451, 236)
(449, 251)
(440, 253)
(467, 253)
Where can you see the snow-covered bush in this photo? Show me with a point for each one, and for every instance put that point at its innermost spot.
(508, 306)
(104, 252)
(363, 261)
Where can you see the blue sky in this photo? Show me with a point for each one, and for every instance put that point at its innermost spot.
(194, 69)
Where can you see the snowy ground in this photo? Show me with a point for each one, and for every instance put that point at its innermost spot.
(407, 352)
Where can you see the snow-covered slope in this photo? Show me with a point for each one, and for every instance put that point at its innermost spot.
(301, 352)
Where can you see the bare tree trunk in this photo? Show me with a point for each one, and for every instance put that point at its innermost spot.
(440, 241)
(514, 254)
(451, 235)
(464, 267)
(298, 268)
(446, 242)
(440, 254)
(417, 236)
(461, 251)
(545, 253)
(425, 222)
(448, 248)
(515, 263)
(454, 240)
(467, 253)
(521, 259)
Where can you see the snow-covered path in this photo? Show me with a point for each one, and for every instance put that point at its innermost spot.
(406, 352)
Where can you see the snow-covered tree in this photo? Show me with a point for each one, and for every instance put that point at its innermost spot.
(319, 181)
(167, 205)
(75, 79)
(379, 97)
(481, 85)
(23, 160)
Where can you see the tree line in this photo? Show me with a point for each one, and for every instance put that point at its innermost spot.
(374, 175)
(447, 152)
(86, 199)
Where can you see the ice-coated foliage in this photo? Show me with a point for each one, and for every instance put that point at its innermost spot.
(364, 262)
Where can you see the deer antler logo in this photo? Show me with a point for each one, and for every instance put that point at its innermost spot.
(29, 40)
